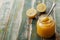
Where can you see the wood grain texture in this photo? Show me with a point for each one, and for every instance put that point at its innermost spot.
(55, 15)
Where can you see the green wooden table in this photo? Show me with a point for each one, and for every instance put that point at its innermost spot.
(34, 36)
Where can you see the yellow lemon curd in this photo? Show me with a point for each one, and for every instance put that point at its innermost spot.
(45, 27)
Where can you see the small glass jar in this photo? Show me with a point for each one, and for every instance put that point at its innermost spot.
(45, 27)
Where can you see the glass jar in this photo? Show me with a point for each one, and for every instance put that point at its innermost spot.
(45, 26)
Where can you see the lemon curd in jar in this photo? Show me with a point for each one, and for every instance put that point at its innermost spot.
(45, 26)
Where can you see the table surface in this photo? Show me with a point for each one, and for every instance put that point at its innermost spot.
(13, 17)
(27, 5)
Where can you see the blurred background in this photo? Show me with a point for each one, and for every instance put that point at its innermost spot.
(12, 13)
